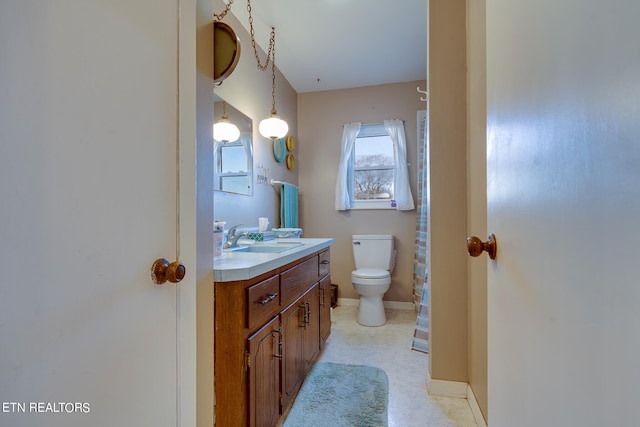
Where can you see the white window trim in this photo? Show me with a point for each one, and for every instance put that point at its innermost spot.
(365, 131)
(372, 204)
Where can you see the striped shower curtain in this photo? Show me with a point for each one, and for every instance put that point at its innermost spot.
(420, 273)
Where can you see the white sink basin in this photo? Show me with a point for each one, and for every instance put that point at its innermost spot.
(271, 247)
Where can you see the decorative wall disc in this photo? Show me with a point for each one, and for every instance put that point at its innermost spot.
(291, 162)
(279, 150)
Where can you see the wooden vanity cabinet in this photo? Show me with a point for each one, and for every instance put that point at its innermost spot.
(267, 337)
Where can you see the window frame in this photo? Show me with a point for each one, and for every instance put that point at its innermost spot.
(366, 131)
(223, 176)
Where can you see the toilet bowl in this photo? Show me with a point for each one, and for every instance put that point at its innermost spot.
(371, 284)
(374, 256)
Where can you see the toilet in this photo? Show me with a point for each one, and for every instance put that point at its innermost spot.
(374, 257)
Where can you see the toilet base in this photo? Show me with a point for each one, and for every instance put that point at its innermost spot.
(371, 311)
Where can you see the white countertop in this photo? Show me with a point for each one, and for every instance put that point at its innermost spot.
(246, 265)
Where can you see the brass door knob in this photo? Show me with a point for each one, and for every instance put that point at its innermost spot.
(475, 246)
(162, 270)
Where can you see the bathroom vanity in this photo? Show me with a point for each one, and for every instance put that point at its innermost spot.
(272, 316)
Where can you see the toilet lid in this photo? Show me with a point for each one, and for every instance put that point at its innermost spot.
(371, 273)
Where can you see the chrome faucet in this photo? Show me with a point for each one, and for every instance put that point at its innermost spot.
(232, 237)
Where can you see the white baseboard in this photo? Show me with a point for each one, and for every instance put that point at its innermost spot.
(398, 305)
(349, 302)
(475, 408)
(456, 389)
(447, 388)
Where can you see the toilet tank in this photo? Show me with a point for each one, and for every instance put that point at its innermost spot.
(373, 251)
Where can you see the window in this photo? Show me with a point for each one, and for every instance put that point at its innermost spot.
(232, 168)
(373, 168)
(373, 172)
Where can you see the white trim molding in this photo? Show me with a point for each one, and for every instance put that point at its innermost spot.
(447, 388)
(459, 390)
(398, 305)
(348, 302)
(475, 408)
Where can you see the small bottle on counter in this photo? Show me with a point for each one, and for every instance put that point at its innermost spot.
(218, 238)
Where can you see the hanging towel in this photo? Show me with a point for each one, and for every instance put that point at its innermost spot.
(289, 206)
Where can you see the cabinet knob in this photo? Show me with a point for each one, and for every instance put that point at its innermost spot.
(475, 246)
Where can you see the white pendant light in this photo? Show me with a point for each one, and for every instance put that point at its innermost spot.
(273, 127)
(224, 130)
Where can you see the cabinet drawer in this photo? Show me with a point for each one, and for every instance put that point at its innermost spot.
(323, 264)
(263, 301)
(298, 279)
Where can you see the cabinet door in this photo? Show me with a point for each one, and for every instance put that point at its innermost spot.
(311, 345)
(264, 375)
(293, 321)
(325, 309)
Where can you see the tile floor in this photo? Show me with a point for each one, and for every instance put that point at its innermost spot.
(389, 347)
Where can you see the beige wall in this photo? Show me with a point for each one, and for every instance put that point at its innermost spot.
(249, 90)
(448, 191)
(477, 197)
(458, 202)
(321, 116)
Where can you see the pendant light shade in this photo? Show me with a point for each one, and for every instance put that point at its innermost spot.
(273, 127)
(225, 131)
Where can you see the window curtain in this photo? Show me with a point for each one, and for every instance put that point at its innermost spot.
(420, 274)
(401, 187)
(349, 135)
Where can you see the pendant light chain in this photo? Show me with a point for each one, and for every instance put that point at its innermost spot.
(273, 80)
(272, 41)
(221, 15)
(272, 37)
(224, 110)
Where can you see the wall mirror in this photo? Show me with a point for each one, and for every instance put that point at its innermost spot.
(233, 160)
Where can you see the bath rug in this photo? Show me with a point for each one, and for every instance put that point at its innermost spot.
(339, 395)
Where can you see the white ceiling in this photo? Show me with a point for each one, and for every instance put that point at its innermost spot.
(336, 44)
